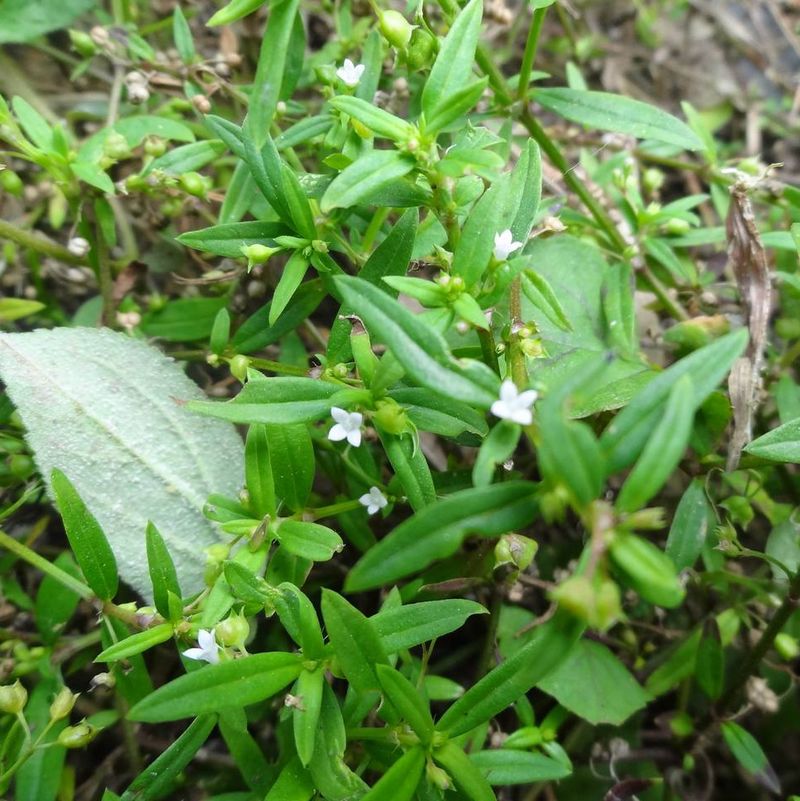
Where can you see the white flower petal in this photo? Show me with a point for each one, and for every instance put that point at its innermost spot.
(522, 416)
(528, 398)
(339, 415)
(354, 437)
(194, 653)
(337, 433)
(508, 391)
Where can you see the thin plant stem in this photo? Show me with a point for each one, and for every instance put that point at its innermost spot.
(38, 243)
(529, 56)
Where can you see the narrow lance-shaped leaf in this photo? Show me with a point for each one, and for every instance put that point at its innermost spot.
(408, 702)
(214, 687)
(162, 570)
(401, 780)
(438, 530)
(86, 538)
(305, 717)
(690, 526)
(467, 777)
(610, 112)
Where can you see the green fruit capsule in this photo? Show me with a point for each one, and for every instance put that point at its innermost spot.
(421, 49)
(239, 365)
(787, 646)
(194, 184)
(82, 43)
(396, 29)
(391, 417)
(13, 698)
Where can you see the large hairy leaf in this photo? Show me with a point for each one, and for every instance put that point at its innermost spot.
(101, 407)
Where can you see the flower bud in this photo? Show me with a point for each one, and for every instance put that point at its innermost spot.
(258, 254)
(115, 146)
(78, 736)
(233, 631)
(437, 776)
(239, 365)
(194, 183)
(391, 417)
(103, 680)
(201, 103)
(396, 29)
(13, 698)
(82, 43)
(677, 227)
(155, 146)
(653, 179)
(62, 703)
(516, 550)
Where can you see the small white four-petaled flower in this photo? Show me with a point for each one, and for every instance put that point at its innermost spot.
(348, 426)
(504, 245)
(350, 73)
(208, 650)
(515, 405)
(374, 500)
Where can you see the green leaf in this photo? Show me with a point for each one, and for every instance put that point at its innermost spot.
(35, 126)
(689, 528)
(550, 644)
(234, 10)
(94, 175)
(466, 775)
(593, 684)
(136, 643)
(55, 604)
(162, 570)
(355, 642)
(663, 451)
(445, 417)
(293, 784)
(186, 158)
(749, 754)
(258, 473)
(86, 538)
(408, 702)
(158, 777)
(437, 531)
(782, 444)
(214, 687)
(410, 625)
(16, 308)
(22, 20)
(409, 464)
(455, 106)
(496, 448)
(610, 112)
(452, 69)
(369, 174)
(182, 36)
(291, 278)
(421, 351)
(229, 239)
(380, 122)
(291, 455)
(525, 191)
(647, 569)
(309, 540)
(627, 434)
(299, 618)
(619, 311)
(246, 752)
(274, 400)
(305, 717)
(504, 766)
(541, 295)
(183, 320)
(401, 780)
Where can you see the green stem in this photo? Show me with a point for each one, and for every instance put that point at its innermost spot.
(33, 558)
(38, 243)
(332, 510)
(489, 349)
(105, 279)
(529, 56)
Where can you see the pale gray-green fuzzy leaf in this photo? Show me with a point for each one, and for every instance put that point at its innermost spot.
(102, 408)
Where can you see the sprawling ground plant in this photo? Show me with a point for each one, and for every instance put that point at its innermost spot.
(470, 474)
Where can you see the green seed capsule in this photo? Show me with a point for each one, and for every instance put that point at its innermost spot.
(62, 704)
(391, 417)
(82, 43)
(77, 736)
(239, 365)
(396, 29)
(13, 698)
(421, 49)
(194, 184)
(11, 182)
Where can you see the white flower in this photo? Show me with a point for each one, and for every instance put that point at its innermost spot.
(348, 426)
(208, 650)
(504, 245)
(515, 405)
(350, 73)
(78, 246)
(374, 500)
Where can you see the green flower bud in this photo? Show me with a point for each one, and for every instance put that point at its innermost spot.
(258, 254)
(653, 179)
(233, 631)
(787, 646)
(396, 29)
(421, 49)
(194, 183)
(82, 43)
(239, 365)
(391, 417)
(11, 182)
(437, 776)
(62, 703)
(78, 736)
(516, 550)
(155, 146)
(13, 698)
(677, 227)
(115, 146)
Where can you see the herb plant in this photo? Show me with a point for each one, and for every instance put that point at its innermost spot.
(488, 491)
